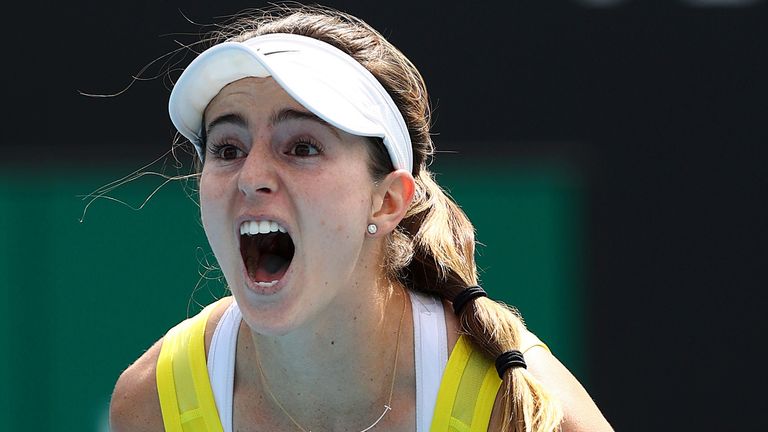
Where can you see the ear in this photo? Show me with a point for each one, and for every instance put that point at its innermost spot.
(391, 200)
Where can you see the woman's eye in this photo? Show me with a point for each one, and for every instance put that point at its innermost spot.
(304, 149)
(226, 152)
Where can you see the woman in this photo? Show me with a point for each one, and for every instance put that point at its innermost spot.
(355, 303)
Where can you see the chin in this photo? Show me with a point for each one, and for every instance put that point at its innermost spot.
(270, 323)
(275, 312)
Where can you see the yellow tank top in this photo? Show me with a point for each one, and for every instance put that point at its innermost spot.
(186, 397)
(464, 402)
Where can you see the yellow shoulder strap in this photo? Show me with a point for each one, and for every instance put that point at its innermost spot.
(186, 397)
(467, 391)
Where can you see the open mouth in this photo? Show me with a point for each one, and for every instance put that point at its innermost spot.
(267, 251)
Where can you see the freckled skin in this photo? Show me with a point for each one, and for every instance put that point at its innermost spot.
(309, 194)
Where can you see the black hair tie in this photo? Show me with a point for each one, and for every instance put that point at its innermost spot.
(509, 359)
(468, 294)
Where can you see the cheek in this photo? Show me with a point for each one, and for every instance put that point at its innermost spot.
(341, 207)
(212, 192)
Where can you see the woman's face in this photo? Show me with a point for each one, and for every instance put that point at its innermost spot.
(271, 165)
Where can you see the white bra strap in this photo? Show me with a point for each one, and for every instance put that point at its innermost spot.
(430, 354)
(221, 363)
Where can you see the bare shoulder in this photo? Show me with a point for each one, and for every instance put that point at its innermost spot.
(580, 413)
(135, 405)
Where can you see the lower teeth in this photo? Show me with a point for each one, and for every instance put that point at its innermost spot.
(266, 284)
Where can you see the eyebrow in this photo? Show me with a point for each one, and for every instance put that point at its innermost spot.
(283, 115)
(233, 119)
(287, 114)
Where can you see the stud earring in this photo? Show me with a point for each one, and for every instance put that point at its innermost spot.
(372, 229)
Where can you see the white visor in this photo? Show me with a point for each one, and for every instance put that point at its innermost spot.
(322, 78)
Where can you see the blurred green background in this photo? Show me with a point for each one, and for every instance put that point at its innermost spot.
(85, 299)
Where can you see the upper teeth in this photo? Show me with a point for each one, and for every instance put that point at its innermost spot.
(260, 227)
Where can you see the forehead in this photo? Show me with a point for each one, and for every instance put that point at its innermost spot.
(255, 94)
(264, 98)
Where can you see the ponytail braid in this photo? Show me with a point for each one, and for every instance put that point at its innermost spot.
(443, 264)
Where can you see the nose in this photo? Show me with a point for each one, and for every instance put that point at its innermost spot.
(258, 175)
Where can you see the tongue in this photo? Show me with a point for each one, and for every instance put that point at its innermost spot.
(270, 267)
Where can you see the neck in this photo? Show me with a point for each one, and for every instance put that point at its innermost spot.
(337, 372)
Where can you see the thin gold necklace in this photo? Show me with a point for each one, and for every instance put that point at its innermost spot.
(387, 406)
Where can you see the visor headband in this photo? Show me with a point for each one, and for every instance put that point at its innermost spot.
(322, 78)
